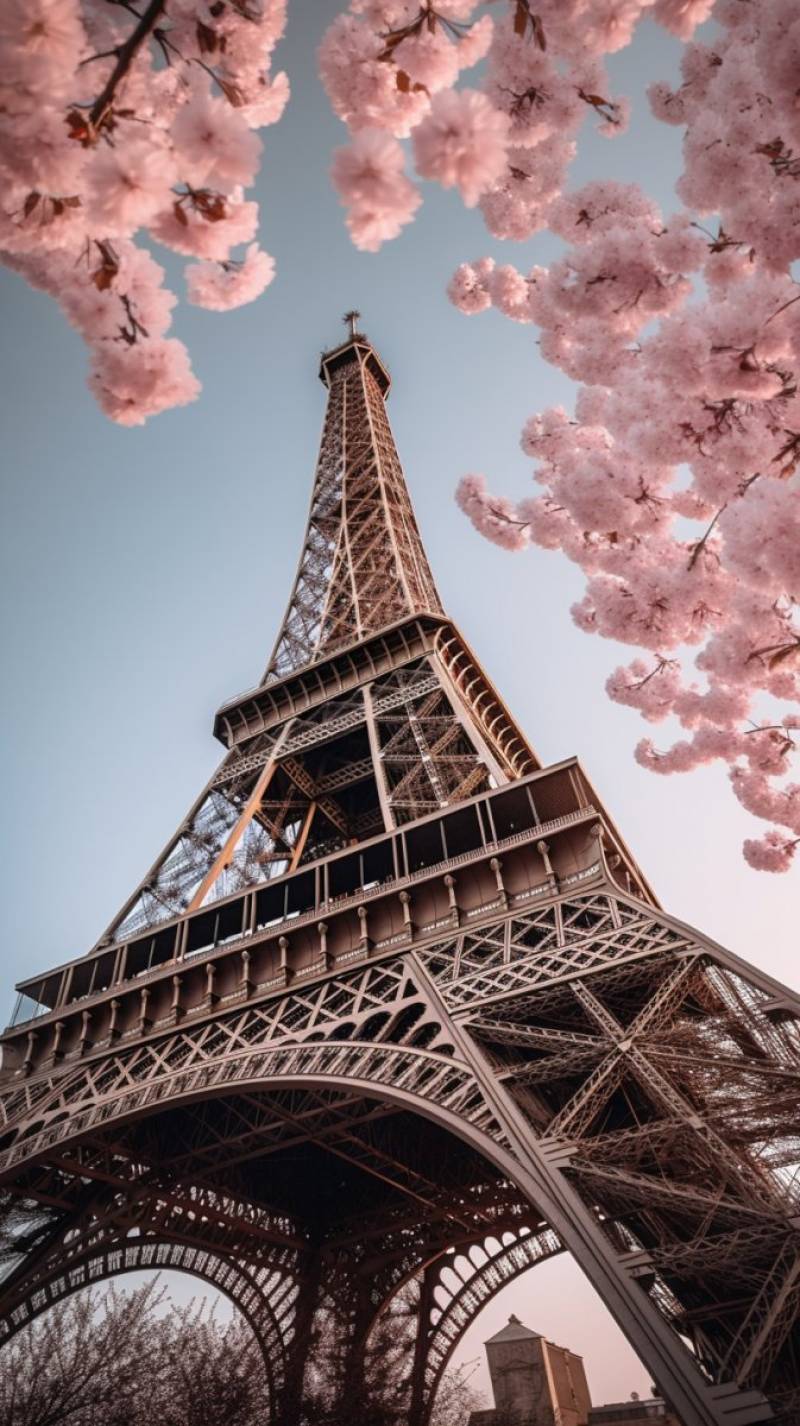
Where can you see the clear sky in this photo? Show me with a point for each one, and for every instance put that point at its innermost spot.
(144, 572)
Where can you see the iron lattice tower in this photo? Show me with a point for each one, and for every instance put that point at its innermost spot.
(395, 1016)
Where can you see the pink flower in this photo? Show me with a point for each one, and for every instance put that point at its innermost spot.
(493, 516)
(510, 293)
(469, 286)
(134, 382)
(772, 852)
(609, 24)
(762, 535)
(98, 315)
(369, 178)
(429, 59)
(265, 101)
(474, 46)
(135, 292)
(362, 88)
(462, 143)
(682, 16)
(370, 227)
(128, 184)
(41, 44)
(78, 178)
(222, 286)
(198, 235)
(368, 170)
(214, 147)
(39, 153)
(141, 281)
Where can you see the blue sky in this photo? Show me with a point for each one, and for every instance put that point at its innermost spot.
(144, 572)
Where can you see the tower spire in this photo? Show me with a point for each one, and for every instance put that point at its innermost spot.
(351, 318)
(362, 565)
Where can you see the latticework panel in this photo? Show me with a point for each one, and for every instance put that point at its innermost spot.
(329, 778)
(427, 758)
(553, 943)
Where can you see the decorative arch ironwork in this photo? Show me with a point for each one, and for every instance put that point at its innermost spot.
(481, 1271)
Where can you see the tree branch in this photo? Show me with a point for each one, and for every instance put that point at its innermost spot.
(125, 57)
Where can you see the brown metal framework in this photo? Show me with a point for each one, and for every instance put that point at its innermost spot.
(395, 1015)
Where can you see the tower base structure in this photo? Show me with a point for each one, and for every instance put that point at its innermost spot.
(395, 1016)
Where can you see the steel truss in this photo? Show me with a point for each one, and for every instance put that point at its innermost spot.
(466, 1039)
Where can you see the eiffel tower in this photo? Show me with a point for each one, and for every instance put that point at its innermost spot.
(395, 1016)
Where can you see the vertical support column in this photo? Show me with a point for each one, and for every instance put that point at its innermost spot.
(289, 1406)
(419, 1407)
(377, 761)
(333, 1317)
(353, 1388)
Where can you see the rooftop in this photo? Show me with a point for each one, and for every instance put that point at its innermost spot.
(514, 1332)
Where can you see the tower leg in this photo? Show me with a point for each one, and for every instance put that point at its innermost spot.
(327, 1376)
(354, 1385)
(419, 1406)
(289, 1405)
(695, 1399)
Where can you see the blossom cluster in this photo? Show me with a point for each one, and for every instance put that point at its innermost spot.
(675, 485)
(122, 121)
(391, 68)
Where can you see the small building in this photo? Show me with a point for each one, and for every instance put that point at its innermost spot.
(536, 1383)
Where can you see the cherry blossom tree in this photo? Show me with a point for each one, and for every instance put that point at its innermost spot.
(132, 1359)
(674, 483)
(121, 122)
(135, 1358)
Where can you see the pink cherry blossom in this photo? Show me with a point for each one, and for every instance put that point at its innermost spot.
(469, 286)
(101, 141)
(682, 16)
(214, 146)
(462, 143)
(368, 176)
(223, 285)
(493, 516)
(135, 382)
(41, 44)
(362, 88)
(202, 223)
(428, 58)
(772, 852)
(128, 185)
